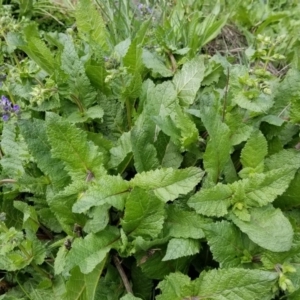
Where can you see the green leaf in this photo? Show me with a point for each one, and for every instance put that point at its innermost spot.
(99, 219)
(37, 50)
(187, 81)
(168, 184)
(213, 201)
(158, 100)
(142, 285)
(218, 147)
(228, 244)
(121, 151)
(133, 58)
(222, 284)
(90, 24)
(268, 228)
(142, 138)
(110, 190)
(155, 64)
(175, 286)
(254, 152)
(30, 219)
(287, 157)
(234, 283)
(87, 253)
(290, 198)
(13, 152)
(181, 247)
(167, 152)
(61, 205)
(260, 104)
(83, 286)
(80, 89)
(153, 266)
(81, 157)
(94, 112)
(183, 224)
(240, 130)
(144, 214)
(211, 26)
(262, 189)
(34, 133)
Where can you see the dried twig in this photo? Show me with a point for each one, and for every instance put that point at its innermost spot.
(122, 274)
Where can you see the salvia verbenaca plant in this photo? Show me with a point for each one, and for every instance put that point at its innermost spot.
(138, 164)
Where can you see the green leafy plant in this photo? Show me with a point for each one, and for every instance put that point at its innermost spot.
(134, 165)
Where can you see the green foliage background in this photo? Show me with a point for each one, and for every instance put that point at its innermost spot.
(156, 155)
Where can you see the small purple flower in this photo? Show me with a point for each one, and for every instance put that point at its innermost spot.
(5, 117)
(7, 108)
(4, 101)
(16, 108)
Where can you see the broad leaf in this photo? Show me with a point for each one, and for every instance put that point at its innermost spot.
(83, 286)
(254, 152)
(268, 228)
(183, 224)
(213, 201)
(187, 81)
(218, 147)
(228, 244)
(87, 253)
(35, 135)
(81, 157)
(168, 184)
(110, 190)
(181, 247)
(144, 214)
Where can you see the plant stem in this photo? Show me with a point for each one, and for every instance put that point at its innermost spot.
(128, 111)
(122, 274)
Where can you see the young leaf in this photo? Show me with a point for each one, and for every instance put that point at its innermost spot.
(144, 214)
(168, 184)
(87, 253)
(71, 146)
(110, 190)
(187, 81)
(213, 201)
(181, 247)
(268, 228)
